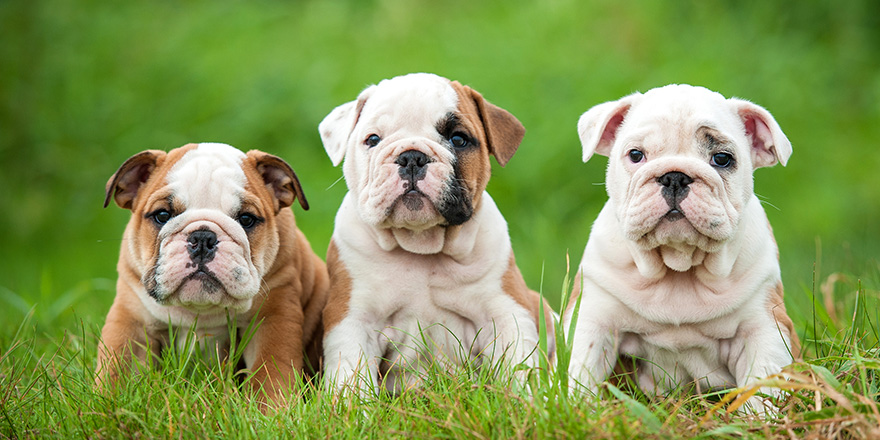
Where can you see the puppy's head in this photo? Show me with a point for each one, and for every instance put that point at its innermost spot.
(680, 162)
(416, 150)
(203, 229)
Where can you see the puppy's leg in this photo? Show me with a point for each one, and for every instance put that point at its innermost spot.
(351, 355)
(759, 351)
(593, 355)
(512, 339)
(275, 352)
(124, 338)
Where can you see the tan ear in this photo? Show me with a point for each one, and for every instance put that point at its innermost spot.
(125, 183)
(280, 180)
(769, 143)
(337, 126)
(597, 127)
(503, 131)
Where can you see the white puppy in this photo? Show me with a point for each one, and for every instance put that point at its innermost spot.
(681, 270)
(421, 267)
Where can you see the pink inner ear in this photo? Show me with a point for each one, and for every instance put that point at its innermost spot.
(610, 132)
(758, 132)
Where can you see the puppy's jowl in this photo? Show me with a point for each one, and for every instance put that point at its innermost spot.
(211, 237)
(420, 261)
(680, 274)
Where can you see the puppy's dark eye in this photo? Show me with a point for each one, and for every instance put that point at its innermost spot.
(635, 155)
(373, 140)
(722, 160)
(459, 141)
(248, 221)
(161, 217)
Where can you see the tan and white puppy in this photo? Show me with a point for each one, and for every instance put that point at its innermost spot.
(210, 239)
(681, 269)
(420, 261)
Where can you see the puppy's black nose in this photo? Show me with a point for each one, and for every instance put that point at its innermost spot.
(675, 180)
(675, 187)
(412, 165)
(202, 245)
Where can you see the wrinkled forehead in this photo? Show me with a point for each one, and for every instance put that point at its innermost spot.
(209, 176)
(680, 112)
(414, 101)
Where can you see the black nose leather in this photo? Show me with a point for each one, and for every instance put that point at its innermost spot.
(202, 245)
(413, 165)
(675, 187)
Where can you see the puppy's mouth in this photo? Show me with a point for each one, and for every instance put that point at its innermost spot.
(200, 287)
(413, 199)
(210, 284)
(674, 215)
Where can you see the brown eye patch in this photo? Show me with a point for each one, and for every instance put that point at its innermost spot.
(452, 129)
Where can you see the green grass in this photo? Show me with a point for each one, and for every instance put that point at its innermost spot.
(46, 390)
(84, 84)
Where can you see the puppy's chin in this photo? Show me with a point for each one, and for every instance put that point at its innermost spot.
(198, 291)
(677, 231)
(413, 211)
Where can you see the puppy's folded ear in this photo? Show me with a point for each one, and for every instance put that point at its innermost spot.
(337, 126)
(597, 127)
(503, 131)
(127, 181)
(280, 180)
(769, 143)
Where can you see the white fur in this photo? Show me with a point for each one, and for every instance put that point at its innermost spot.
(690, 296)
(209, 177)
(411, 275)
(453, 297)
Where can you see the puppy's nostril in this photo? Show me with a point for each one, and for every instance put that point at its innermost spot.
(203, 238)
(675, 180)
(412, 158)
(413, 165)
(202, 245)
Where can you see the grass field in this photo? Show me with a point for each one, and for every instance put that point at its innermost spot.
(86, 84)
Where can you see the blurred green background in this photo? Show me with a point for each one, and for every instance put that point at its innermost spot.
(86, 84)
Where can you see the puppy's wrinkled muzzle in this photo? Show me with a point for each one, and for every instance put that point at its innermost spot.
(674, 190)
(413, 167)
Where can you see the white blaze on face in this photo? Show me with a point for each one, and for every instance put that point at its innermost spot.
(207, 185)
(209, 177)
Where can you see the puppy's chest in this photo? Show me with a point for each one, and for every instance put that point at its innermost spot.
(209, 344)
(438, 305)
(424, 282)
(677, 338)
(407, 290)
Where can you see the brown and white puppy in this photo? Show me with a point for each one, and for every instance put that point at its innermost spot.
(420, 261)
(681, 269)
(210, 239)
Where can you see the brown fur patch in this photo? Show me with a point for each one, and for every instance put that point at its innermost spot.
(339, 295)
(503, 131)
(776, 306)
(293, 295)
(513, 284)
(473, 164)
(278, 177)
(498, 132)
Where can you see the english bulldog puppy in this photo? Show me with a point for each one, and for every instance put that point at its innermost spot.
(421, 266)
(211, 239)
(681, 270)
